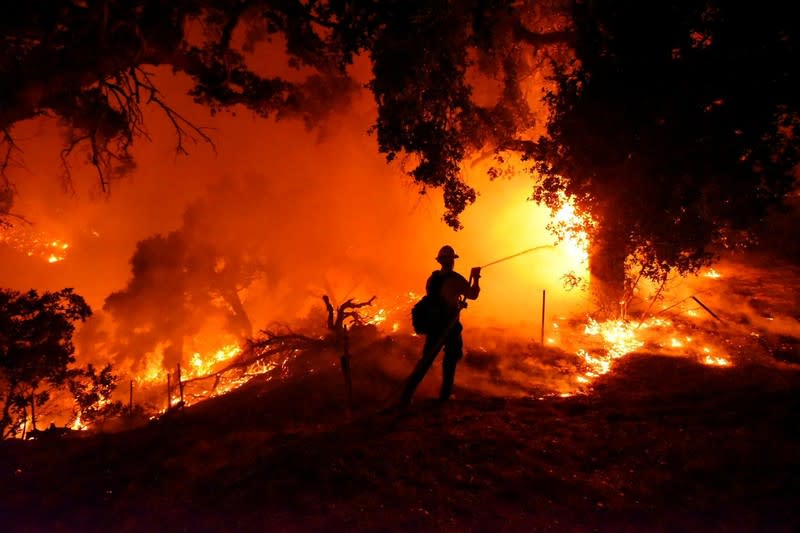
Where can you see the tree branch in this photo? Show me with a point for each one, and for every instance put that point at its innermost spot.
(519, 145)
(349, 309)
(66, 152)
(540, 40)
(10, 146)
(184, 128)
(330, 311)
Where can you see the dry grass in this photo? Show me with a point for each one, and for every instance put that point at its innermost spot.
(662, 444)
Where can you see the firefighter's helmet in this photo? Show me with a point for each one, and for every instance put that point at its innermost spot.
(446, 252)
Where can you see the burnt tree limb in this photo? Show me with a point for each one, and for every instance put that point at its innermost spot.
(347, 310)
(284, 343)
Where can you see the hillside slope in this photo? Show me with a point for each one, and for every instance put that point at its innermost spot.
(662, 443)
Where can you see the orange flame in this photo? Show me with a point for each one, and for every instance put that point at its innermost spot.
(33, 244)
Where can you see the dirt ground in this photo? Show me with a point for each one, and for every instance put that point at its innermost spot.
(661, 444)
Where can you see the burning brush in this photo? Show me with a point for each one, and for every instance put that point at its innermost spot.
(33, 244)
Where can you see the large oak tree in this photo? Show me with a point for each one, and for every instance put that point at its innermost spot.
(36, 350)
(678, 128)
(86, 63)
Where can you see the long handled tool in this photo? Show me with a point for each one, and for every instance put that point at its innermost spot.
(462, 302)
(434, 351)
(523, 252)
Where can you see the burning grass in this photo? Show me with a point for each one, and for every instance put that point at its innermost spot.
(728, 316)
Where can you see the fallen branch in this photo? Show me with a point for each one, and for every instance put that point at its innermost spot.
(260, 350)
(349, 309)
(288, 342)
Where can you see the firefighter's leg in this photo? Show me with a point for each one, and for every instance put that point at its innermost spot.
(429, 353)
(453, 351)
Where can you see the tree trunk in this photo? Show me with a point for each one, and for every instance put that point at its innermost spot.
(240, 322)
(607, 255)
(6, 420)
(33, 409)
(173, 354)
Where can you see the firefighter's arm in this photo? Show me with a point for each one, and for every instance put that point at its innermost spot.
(474, 289)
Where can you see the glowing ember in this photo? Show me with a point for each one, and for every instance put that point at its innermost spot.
(207, 374)
(77, 425)
(33, 244)
(716, 361)
(711, 359)
(202, 365)
(618, 336)
(378, 318)
(390, 317)
(711, 273)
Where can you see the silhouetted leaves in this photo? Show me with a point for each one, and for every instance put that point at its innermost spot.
(92, 392)
(678, 128)
(35, 348)
(86, 64)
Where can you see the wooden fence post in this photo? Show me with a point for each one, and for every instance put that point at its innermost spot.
(33, 410)
(348, 379)
(169, 391)
(544, 297)
(180, 383)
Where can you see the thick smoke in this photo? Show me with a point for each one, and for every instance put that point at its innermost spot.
(191, 252)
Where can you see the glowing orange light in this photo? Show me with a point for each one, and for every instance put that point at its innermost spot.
(33, 244)
(716, 361)
(379, 317)
(77, 424)
(203, 364)
(618, 336)
(576, 242)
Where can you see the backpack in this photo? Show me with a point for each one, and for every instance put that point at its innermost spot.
(427, 315)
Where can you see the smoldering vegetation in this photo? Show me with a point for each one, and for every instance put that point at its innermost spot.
(192, 254)
(284, 215)
(216, 281)
(193, 279)
(747, 306)
(665, 441)
(244, 257)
